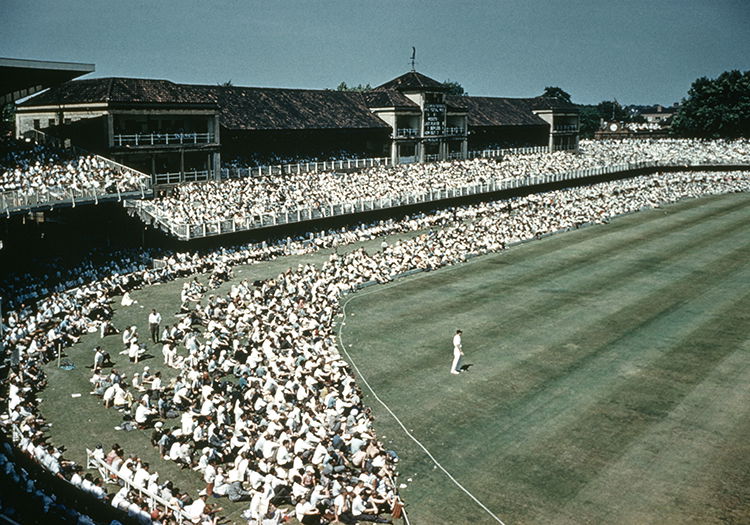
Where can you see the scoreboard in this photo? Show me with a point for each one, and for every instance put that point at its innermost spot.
(434, 119)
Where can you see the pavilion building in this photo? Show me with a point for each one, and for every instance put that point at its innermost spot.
(157, 126)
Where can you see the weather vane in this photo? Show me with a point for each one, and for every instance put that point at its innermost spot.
(413, 56)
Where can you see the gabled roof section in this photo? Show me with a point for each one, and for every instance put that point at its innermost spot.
(497, 111)
(246, 108)
(119, 91)
(388, 98)
(21, 78)
(413, 81)
(553, 103)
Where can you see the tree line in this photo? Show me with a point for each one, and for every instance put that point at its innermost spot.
(713, 108)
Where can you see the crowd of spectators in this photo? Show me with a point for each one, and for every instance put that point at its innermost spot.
(247, 200)
(30, 168)
(268, 410)
(644, 126)
(25, 499)
(256, 160)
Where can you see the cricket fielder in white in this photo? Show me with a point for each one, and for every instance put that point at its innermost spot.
(457, 352)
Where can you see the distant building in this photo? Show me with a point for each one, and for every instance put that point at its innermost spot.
(158, 126)
(660, 114)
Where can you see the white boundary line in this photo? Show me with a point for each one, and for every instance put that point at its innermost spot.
(395, 417)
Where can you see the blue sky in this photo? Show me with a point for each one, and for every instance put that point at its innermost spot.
(636, 51)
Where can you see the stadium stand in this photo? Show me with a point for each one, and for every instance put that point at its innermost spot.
(287, 358)
(34, 176)
(200, 209)
(263, 407)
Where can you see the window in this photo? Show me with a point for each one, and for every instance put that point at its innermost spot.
(50, 122)
(406, 150)
(37, 123)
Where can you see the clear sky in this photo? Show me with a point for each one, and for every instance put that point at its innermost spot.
(637, 51)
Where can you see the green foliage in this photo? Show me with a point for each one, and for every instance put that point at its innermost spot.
(589, 121)
(611, 110)
(358, 87)
(718, 108)
(454, 88)
(556, 92)
(8, 120)
(591, 116)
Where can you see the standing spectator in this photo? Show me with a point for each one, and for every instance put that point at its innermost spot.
(154, 320)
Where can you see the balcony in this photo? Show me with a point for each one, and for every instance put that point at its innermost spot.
(454, 131)
(568, 128)
(407, 132)
(180, 178)
(159, 139)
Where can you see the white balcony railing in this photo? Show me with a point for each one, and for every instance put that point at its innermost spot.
(566, 128)
(407, 132)
(453, 131)
(304, 167)
(148, 212)
(159, 139)
(180, 177)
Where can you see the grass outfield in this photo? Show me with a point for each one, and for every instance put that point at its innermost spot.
(609, 378)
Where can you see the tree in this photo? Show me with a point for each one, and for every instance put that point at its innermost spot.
(718, 108)
(358, 87)
(590, 117)
(8, 120)
(556, 92)
(589, 121)
(455, 89)
(611, 110)
(228, 83)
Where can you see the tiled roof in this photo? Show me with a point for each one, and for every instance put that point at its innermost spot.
(497, 111)
(554, 103)
(387, 98)
(118, 91)
(266, 108)
(247, 108)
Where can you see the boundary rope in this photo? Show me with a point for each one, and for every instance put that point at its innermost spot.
(388, 409)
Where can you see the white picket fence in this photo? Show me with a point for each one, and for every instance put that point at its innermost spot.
(150, 214)
(153, 500)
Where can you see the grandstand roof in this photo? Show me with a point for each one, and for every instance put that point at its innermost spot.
(388, 98)
(252, 108)
(497, 111)
(552, 102)
(246, 108)
(21, 78)
(119, 91)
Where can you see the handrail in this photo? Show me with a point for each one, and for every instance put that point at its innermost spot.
(406, 132)
(122, 167)
(20, 201)
(303, 167)
(104, 468)
(151, 139)
(185, 231)
(501, 152)
(180, 177)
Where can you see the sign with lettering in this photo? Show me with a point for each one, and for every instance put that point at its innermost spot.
(434, 119)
